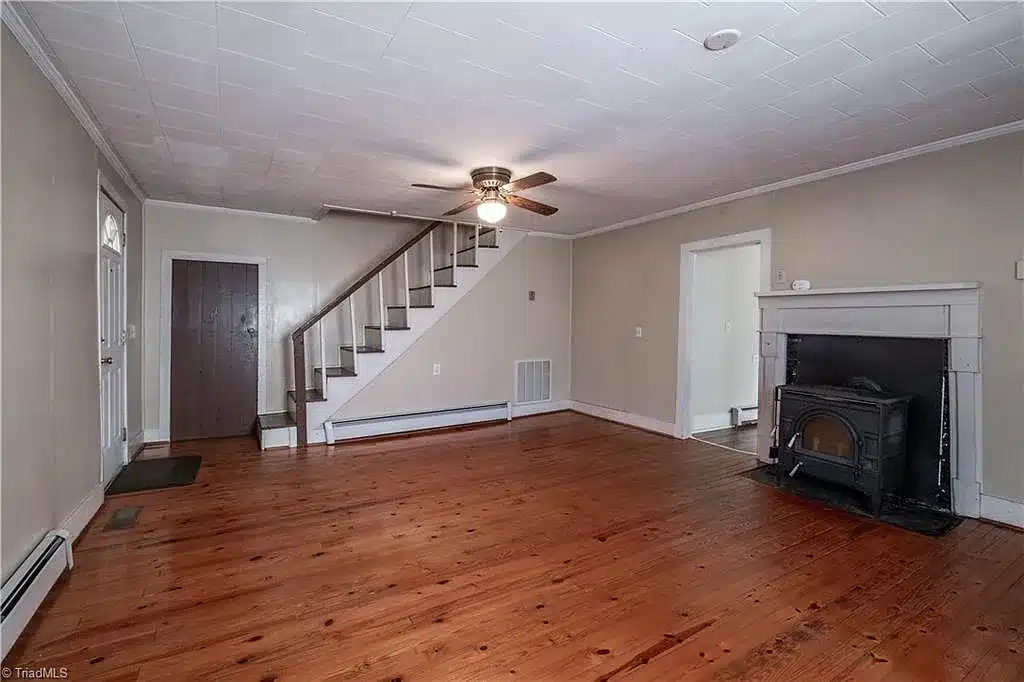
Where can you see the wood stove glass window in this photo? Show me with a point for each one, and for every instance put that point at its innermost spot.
(827, 435)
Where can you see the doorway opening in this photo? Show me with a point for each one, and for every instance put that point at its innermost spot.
(214, 349)
(719, 340)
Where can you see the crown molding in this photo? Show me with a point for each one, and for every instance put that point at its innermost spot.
(17, 19)
(939, 145)
(225, 209)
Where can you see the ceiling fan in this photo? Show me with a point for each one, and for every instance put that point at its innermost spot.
(495, 190)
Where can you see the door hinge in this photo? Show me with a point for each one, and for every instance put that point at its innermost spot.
(124, 434)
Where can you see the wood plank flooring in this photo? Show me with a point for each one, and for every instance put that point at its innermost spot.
(743, 438)
(558, 547)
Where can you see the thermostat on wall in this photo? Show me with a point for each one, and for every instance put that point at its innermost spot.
(801, 285)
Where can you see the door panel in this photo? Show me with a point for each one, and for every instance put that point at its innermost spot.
(214, 343)
(112, 338)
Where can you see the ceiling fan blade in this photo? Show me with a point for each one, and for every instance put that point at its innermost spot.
(446, 189)
(464, 207)
(535, 180)
(531, 205)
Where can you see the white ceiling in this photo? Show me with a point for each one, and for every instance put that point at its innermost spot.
(284, 106)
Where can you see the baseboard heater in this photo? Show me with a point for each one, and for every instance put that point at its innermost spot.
(741, 416)
(365, 427)
(25, 590)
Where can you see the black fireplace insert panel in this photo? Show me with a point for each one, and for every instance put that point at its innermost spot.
(854, 437)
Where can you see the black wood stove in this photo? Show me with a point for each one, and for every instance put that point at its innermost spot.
(853, 437)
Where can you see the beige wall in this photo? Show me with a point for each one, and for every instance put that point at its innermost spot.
(479, 340)
(50, 411)
(955, 215)
(308, 262)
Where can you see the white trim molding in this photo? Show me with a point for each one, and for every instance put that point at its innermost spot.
(710, 422)
(950, 311)
(231, 211)
(938, 145)
(1002, 511)
(24, 29)
(687, 300)
(627, 418)
(78, 519)
(264, 311)
(530, 409)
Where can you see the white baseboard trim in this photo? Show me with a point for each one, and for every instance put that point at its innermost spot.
(711, 422)
(136, 441)
(155, 436)
(647, 423)
(1004, 511)
(75, 522)
(540, 408)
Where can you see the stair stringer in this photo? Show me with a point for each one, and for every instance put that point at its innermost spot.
(340, 390)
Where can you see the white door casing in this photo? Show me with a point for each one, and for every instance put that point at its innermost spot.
(113, 337)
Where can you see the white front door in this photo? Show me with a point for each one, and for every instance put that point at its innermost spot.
(113, 336)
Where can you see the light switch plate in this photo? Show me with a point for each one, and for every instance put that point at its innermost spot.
(1020, 269)
(639, 332)
(437, 370)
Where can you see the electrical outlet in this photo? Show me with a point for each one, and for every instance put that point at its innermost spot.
(437, 370)
(639, 332)
(780, 276)
(532, 296)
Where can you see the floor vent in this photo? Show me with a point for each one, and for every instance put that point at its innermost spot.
(533, 381)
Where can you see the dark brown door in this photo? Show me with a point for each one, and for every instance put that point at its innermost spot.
(214, 358)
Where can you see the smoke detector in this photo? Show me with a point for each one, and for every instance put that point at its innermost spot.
(720, 40)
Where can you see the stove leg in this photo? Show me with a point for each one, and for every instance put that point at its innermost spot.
(875, 500)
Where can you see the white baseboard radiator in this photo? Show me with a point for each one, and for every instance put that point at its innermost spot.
(741, 416)
(366, 427)
(25, 590)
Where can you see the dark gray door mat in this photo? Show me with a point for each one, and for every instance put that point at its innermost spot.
(153, 474)
(932, 522)
(123, 518)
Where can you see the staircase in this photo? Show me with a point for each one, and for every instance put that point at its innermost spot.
(358, 334)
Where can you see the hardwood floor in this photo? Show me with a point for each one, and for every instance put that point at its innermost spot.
(743, 438)
(558, 547)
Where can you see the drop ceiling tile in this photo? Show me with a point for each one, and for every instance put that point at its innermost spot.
(751, 56)
(882, 73)
(185, 135)
(830, 60)
(155, 28)
(193, 10)
(942, 77)
(752, 93)
(251, 111)
(81, 62)
(1008, 81)
(320, 104)
(248, 34)
(237, 138)
(822, 23)
(114, 94)
(295, 15)
(816, 97)
(973, 9)
(986, 31)
(1013, 50)
(133, 135)
(184, 98)
(118, 117)
(963, 94)
(910, 24)
(336, 79)
(380, 16)
(252, 72)
(64, 24)
(165, 67)
(191, 120)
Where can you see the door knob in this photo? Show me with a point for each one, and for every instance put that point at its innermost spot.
(107, 361)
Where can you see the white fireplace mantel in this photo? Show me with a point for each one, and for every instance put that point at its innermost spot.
(949, 311)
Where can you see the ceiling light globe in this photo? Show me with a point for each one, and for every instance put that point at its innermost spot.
(492, 210)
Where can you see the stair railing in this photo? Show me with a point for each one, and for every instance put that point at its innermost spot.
(299, 335)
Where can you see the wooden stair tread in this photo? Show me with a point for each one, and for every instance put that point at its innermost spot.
(482, 246)
(402, 307)
(337, 372)
(275, 420)
(312, 396)
(448, 267)
(388, 328)
(362, 349)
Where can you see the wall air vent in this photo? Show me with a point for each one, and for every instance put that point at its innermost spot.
(533, 381)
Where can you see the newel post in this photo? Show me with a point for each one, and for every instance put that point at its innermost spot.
(299, 358)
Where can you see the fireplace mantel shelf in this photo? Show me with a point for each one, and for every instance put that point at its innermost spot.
(895, 288)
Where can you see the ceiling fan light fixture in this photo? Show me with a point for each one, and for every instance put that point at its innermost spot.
(491, 210)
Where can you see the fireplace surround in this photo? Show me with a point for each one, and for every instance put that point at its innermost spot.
(947, 311)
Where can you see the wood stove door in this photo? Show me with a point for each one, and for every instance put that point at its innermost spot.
(826, 435)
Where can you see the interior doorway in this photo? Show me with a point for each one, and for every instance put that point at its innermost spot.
(719, 340)
(214, 363)
(113, 337)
